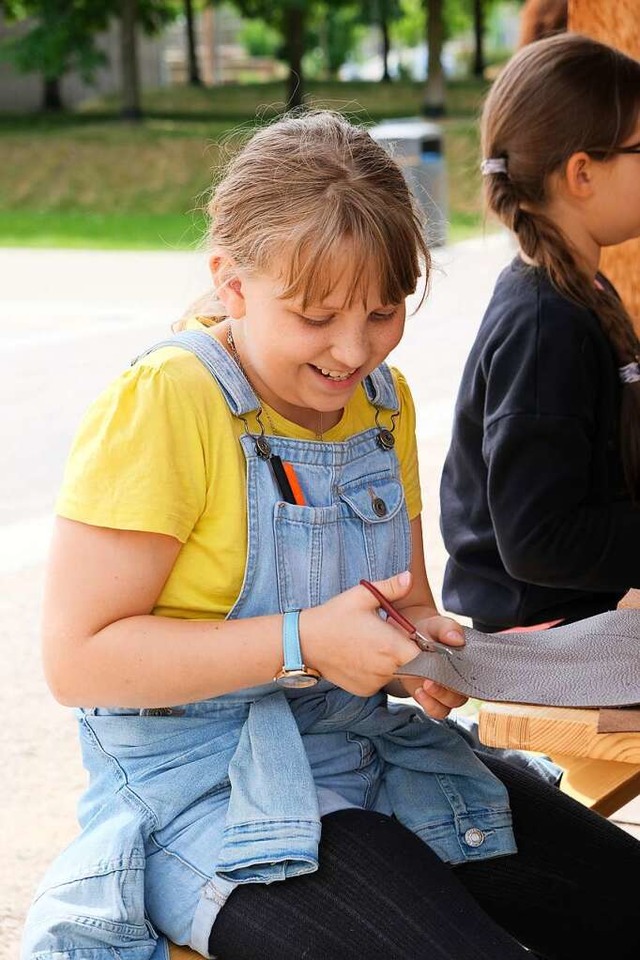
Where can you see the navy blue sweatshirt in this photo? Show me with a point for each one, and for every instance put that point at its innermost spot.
(534, 513)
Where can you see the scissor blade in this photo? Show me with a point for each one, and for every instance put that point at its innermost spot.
(433, 646)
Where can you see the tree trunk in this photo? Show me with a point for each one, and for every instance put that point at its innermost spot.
(386, 47)
(52, 95)
(131, 109)
(433, 103)
(478, 31)
(294, 38)
(192, 54)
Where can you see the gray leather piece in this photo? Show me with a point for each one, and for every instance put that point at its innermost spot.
(591, 663)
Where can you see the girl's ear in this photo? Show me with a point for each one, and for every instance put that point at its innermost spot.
(227, 284)
(579, 175)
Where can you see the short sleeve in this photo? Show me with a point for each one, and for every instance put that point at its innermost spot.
(138, 459)
(407, 448)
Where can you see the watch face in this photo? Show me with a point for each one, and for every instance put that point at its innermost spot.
(296, 679)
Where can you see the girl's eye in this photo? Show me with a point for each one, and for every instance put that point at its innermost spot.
(377, 315)
(315, 321)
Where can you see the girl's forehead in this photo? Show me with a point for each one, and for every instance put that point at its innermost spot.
(334, 278)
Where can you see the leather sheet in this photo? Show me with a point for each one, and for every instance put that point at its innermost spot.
(591, 663)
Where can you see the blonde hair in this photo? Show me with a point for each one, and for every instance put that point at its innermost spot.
(300, 189)
(554, 98)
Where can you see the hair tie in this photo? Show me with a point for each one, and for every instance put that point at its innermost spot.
(630, 372)
(493, 165)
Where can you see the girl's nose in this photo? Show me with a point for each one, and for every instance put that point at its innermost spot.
(351, 349)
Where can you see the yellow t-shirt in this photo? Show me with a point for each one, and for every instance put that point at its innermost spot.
(159, 451)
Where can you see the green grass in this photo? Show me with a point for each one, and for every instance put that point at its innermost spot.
(133, 231)
(86, 179)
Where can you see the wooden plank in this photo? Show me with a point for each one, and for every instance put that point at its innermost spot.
(601, 785)
(611, 21)
(615, 22)
(554, 730)
(183, 953)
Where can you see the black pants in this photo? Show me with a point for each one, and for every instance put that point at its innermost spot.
(570, 893)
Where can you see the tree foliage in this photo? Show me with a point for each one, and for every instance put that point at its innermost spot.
(290, 19)
(324, 30)
(337, 25)
(61, 36)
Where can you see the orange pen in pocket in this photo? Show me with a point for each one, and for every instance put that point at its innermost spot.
(294, 483)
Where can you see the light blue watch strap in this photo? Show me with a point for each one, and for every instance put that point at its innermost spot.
(291, 641)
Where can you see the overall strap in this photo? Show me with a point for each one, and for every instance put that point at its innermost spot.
(380, 388)
(239, 396)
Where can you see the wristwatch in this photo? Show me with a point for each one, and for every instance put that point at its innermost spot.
(294, 673)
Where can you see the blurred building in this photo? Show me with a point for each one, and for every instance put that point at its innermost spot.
(162, 62)
(22, 92)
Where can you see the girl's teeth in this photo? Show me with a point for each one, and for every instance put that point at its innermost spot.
(334, 376)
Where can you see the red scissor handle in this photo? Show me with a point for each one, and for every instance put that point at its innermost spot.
(389, 609)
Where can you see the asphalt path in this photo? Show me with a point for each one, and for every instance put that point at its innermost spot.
(69, 322)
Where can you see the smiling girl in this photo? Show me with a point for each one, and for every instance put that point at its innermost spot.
(252, 792)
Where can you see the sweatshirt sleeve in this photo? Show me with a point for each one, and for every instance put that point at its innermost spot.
(554, 524)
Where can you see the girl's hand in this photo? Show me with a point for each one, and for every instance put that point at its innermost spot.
(350, 644)
(436, 701)
(443, 629)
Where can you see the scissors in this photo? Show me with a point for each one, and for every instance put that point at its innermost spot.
(425, 643)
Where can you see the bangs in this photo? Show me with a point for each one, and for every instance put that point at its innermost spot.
(315, 262)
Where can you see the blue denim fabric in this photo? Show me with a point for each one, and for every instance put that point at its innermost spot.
(184, 805)
(535, 763)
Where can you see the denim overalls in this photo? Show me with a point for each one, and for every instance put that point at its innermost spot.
(184, 803)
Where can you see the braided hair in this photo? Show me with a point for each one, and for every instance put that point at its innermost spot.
(556, 97)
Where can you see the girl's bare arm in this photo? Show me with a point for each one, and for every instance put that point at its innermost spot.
(101, 644)
(103, 647)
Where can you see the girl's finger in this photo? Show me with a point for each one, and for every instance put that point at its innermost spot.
(445, 630)
(430, 706)
(444, 695)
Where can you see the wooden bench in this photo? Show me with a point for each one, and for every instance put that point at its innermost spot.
(602, 770)
(183, 953)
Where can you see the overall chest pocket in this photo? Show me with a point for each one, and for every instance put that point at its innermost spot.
(321, 551)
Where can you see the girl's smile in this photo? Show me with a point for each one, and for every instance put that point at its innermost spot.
(339, 377)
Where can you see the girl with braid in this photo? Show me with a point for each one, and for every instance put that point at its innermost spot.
(540, 494)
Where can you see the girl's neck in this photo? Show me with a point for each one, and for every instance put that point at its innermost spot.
(570, 219)
(590, 265)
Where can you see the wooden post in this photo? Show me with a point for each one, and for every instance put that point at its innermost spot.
(616, 22)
